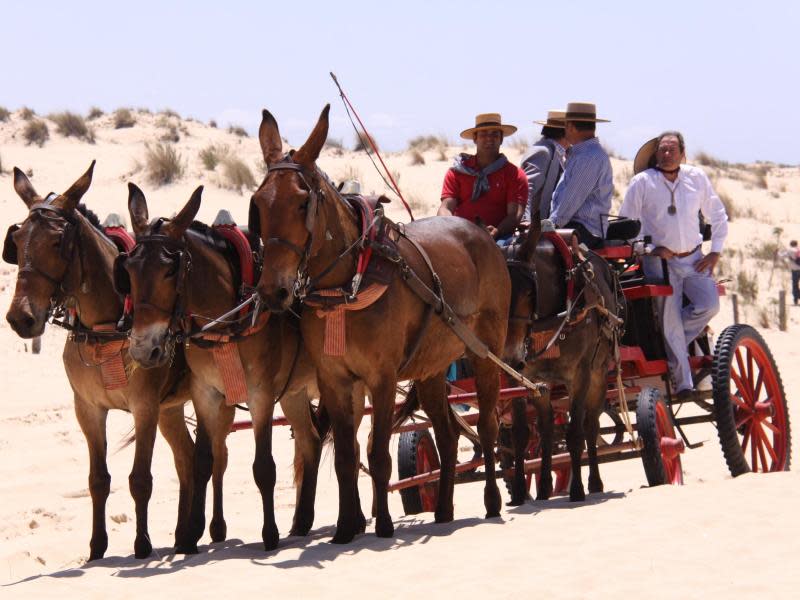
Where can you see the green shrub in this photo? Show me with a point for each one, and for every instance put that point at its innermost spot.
(237, 173)
(212, 123)
(69, 124)
(236, 130)
(212, 154)
(362, 143)
(94, 113)
(163, 164)
(36, 132)
(123, 118)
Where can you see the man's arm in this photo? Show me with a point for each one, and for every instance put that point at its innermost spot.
(535, 171)
(509, 223)
(579, 178)
(447, 208)
(714, 212)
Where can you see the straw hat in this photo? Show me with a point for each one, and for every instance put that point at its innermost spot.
(646, 156)
(555, 118)
(488, 121)
(583, 111)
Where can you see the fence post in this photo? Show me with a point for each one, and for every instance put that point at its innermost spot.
(735, 303)
(782, 310)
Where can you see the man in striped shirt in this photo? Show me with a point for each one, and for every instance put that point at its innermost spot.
(582, 199)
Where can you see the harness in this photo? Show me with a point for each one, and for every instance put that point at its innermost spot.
(106, 342)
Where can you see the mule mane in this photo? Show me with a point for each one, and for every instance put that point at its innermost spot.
(90, 216)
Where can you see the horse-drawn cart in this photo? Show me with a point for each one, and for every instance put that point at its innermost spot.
(743, 397)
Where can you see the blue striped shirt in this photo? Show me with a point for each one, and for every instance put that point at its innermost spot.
(584, 192)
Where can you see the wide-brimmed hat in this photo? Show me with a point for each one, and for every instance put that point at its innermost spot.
(583, 111)
(555, 118)
(488, 121)
(646, 156)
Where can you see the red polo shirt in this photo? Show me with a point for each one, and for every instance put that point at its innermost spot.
(507, 186)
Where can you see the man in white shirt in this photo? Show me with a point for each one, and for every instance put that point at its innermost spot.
(666, 196)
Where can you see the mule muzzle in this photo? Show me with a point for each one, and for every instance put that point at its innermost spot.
(25, 320)
(150, 350)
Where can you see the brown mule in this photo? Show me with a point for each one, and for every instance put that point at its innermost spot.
(183, 268)
(308, 232)
(65, 260)
(539, 297)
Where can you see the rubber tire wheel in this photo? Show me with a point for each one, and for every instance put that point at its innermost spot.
(415, 449)
(742, 336)
(647, 427)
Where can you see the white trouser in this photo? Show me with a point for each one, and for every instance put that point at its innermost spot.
(681, 324)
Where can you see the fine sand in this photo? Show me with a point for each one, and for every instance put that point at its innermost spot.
(713, 537)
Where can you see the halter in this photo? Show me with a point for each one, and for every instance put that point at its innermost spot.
(302, 282)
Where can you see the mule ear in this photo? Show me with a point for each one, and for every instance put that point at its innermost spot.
(270, 138)
(24, 188)
(309, 152)
(74, 194)
(137, 207)
(178, 225)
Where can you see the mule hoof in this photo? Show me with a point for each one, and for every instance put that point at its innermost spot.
(218, 530)
(492, 501)
(517, 500)
(96, 555)
(384, 528)
(343, 536)
(142, 548)
(186, 549)
(361, 524)
(444, 516)
(577, 495)
(97, 548)
(300, 530)
(270, 537)
(595, 486)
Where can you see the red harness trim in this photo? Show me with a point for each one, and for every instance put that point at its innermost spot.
(242, 245)
(367, 231)
(108, 356)
(566, 255)
(124, 240)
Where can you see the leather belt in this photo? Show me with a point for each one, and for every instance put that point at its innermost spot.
(685, 254)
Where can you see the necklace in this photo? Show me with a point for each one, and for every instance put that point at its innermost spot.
(672, 209)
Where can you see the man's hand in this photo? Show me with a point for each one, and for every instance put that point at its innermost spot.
(707, 263)
(662, 252)
(492, 231)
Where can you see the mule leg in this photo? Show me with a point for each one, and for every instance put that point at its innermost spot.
(520, 434)
(307, 451)
(544, 422)
(140, 481)
(432, 395)
(92, 420)
(487, 383)
(575, 433)
(336, 395)
(383, 391)
(218, 528)
(172, 425)
(595, 400)
(264, 473)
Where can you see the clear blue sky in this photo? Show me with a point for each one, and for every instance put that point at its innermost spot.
(725, 73)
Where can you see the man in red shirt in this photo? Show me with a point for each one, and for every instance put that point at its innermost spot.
(485, 188)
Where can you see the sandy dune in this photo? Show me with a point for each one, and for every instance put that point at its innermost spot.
(713, 537)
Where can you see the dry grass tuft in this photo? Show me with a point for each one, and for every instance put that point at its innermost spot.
(213, 154)
(427, 142)
(237, 130)
(417, 158)
(442, 155)
(747, 286)
(706, 160)
(4, 114)
(168, 112)
(69, 124)
(362, 143)
(26, 114)
(237, 174)
(730, 207)
(334, 145)
(763, 318)
(163, 164)
(123, 118)
(212, 123)
(36, 132)
(518, 143)
(94, 113)
(351, 173)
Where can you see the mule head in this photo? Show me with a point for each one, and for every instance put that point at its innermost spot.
(285, 210)
(154, 274)
(521, 267)
(42, 245)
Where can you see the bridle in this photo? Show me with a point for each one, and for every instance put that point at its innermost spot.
(302, 281)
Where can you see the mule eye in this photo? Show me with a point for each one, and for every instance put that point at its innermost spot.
(304, 206)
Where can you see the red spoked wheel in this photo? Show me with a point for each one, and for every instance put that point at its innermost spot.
(750, 404)
(661, 446)
(416, 454)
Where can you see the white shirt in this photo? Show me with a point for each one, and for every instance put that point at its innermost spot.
(648, 199)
